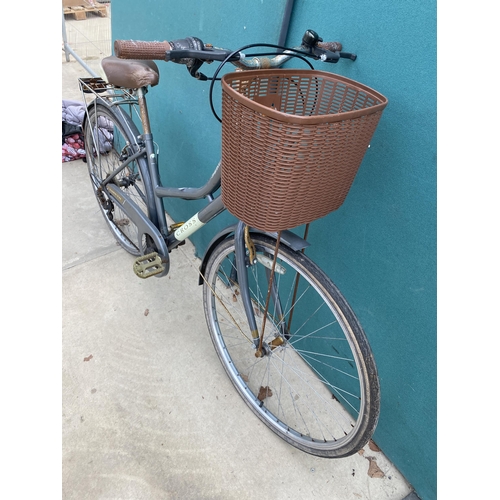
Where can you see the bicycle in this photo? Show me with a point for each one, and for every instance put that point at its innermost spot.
(286, 337)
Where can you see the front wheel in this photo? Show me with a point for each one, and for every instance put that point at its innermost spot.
(316, 386)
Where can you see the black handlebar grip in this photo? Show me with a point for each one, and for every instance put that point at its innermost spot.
(137, 49)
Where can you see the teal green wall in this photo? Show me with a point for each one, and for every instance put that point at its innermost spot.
(380, 246)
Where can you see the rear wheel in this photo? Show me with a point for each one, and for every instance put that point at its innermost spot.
(110, 138)
(316, 385)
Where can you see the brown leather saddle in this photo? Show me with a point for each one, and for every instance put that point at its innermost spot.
(130, 73)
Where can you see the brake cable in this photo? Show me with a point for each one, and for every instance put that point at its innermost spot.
(232, 54)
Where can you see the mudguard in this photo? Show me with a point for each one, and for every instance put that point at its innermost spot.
(288, 238)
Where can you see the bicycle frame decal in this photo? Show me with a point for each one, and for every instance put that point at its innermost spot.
(190, 227)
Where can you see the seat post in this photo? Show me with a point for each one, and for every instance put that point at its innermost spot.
(143, 109)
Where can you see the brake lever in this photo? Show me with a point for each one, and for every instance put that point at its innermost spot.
(193, 68)
(333, 57)
(326, 55)
(348, 55)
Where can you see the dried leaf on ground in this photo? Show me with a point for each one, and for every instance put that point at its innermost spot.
(264, 392)
(374, 470)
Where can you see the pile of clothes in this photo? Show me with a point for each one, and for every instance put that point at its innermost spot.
(73, 147)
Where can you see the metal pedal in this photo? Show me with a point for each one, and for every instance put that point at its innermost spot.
(148, 265)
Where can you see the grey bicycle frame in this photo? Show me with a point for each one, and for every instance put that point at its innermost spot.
(161, 232)
(155, 226)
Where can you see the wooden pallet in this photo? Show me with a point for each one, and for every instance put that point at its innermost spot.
(80, 11)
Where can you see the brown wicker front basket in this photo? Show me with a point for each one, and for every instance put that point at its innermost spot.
(292, 142)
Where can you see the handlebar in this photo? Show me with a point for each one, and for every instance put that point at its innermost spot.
(162, 51)
(193, 52)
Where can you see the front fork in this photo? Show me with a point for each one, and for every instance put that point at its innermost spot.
(243, 262)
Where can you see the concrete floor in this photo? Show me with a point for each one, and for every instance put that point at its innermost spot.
(148, 412)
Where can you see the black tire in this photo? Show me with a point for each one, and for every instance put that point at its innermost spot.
(110, 136)
(319, 389)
